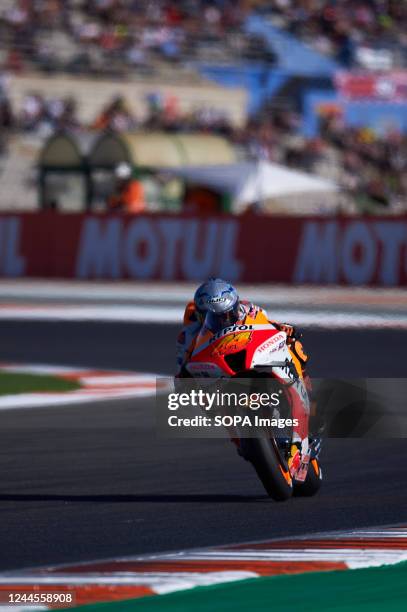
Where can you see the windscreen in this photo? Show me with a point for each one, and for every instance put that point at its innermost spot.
(217, 321)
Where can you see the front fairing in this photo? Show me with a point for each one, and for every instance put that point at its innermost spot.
(237, 348)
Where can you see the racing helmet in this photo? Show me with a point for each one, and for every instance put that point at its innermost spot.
(220, 301)
(200, 298)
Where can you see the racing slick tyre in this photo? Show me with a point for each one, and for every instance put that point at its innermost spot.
(270, 466)
(312, 482)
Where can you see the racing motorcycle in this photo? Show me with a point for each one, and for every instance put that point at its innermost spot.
(259, 352)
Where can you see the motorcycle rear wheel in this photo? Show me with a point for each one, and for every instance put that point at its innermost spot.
(271, 468)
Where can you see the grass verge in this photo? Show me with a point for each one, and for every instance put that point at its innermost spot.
(12, 383)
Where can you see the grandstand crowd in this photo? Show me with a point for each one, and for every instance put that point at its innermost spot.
(367, 165)
(113, 36)
(116, 36)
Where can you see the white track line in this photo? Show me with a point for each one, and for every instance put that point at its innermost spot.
(352, 557)
(22, 608)
(172, 314)
(182, 292)
(160, 582)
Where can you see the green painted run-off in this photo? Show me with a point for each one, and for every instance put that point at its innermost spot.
(364, 590)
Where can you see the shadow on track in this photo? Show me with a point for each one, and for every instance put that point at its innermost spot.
(123, 498)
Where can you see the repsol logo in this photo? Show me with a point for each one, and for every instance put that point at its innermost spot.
(231, 329)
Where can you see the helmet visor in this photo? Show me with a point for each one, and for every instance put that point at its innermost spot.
(218, 321)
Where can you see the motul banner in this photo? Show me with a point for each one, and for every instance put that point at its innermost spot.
(352, 251)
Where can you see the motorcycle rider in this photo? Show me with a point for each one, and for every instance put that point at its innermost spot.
(216, 302)
(195, 312)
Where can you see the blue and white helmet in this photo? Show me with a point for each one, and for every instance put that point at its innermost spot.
(220, 300)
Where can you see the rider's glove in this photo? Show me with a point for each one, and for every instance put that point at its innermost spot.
(290, 331)
(293, 341)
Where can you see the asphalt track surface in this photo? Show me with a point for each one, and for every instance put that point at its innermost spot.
(84, 482)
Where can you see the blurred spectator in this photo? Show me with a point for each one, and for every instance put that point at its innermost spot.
(46, 115)
(128, 196)
(6, 112)
(115, 116)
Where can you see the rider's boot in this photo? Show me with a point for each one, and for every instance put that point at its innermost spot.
(294, 459)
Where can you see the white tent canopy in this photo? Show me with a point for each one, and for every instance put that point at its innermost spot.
(273, 185)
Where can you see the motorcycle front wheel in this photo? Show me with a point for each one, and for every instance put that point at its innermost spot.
(312, 482)
(270, 466)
